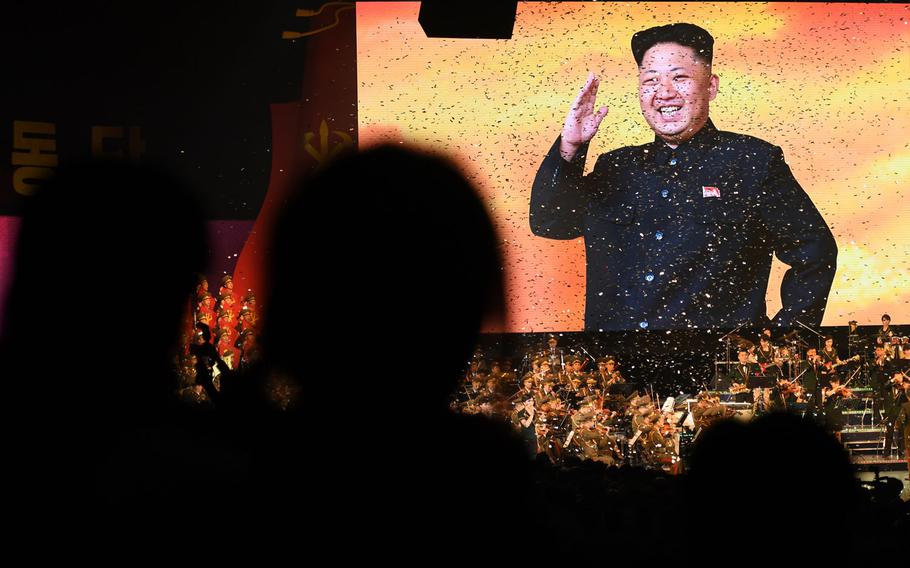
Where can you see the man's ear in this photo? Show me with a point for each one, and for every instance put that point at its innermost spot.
(712, 87)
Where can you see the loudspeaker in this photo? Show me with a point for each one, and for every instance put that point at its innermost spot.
(493, 19)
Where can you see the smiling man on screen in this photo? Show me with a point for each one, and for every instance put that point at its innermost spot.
(680, 232)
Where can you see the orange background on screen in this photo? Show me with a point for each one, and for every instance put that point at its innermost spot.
(830, 84)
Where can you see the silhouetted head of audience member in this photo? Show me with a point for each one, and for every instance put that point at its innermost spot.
(779, 479)
(387, 255)
(110, 251)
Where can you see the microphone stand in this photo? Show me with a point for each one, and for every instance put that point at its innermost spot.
(586, 353)
(732, 332)
(820, 336)
(729, 353)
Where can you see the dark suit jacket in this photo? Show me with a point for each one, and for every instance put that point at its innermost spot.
(663, 251)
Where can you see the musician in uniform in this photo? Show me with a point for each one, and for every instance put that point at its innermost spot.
(784, 396)
(615, 377)
(522, 418)
(833, 395)
(903, 424)
(576, 371)
(246, 320)
(596, 443)
(544, 371)
(852, 328)
(881, 369)
(247, 348)
(899, 394)
(492, 392)
(471, 397)
(527, 388)
(708, 410)
(856, 343)
(764, 355)
(507, 372)
(601, 375)
(553, 353)
(590, 388)
(658, 448)
(545, 392)
(903, 355)
(884, 334)
(571, 390)
(739, 373)
(550, 414)
(495, 370)
(639, 408)
(808, 370)
(829, 360)
(535, 370)
(787, 361)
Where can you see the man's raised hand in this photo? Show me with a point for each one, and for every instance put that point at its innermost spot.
(582, 121)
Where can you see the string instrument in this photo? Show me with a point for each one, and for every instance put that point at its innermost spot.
(712, 400)
(900, 380)
(830, 365)
(668, 429)
(554, 407)
(739, 388)
(789, 387)
(841, 389)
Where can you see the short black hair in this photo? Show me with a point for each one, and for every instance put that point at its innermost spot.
(886, 317)
(688, 35)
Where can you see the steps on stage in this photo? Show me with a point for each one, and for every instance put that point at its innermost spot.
(866, 444)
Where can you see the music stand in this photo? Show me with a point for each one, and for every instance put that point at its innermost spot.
(625, 389)
(761, 382)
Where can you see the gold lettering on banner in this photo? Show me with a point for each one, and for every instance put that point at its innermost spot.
(103, 145)
(301, 13)
(324, 152)
(102, 133)
(136, 144)
(35, 154)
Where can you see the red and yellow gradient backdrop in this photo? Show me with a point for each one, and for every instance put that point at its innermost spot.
(830, 84)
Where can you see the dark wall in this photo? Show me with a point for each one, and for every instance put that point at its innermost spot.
(185, 84)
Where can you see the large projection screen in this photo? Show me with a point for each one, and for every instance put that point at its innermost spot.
(827, 83)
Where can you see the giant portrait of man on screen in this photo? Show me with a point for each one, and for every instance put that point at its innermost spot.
(680, 232)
